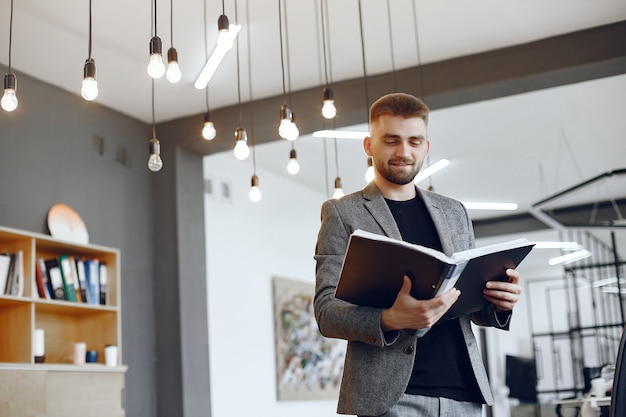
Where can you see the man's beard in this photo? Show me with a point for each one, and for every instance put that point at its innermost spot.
(397, 176)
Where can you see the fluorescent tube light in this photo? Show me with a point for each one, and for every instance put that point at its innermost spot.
(558, 245)
(431, 169)
(570, 257)
(340, 134)
(224, 45)
(484, 205)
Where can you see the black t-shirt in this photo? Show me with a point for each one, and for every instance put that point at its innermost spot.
(442, 367)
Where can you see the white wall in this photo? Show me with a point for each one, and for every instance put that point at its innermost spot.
(248, 244)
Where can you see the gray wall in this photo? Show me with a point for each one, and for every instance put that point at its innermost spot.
(47, 156)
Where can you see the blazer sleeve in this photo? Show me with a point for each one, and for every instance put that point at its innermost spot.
(337, 318)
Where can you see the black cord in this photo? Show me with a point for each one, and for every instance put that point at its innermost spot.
(206, 53)
(171, 21)
(153, 122)
(89, 28)
(419, 58)
(155, 17)
(10, 35)
(238, 75)
(280, 31)
(287, 53)
(324, 42)
(393, 60)
(250, 89)
(367, 100)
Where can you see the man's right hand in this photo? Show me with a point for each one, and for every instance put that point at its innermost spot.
(409, 313)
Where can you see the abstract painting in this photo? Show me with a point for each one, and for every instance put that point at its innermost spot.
(308, 365)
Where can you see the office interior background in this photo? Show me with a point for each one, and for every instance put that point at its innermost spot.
(526, 101)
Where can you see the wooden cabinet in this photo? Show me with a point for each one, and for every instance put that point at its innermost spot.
(64, 323)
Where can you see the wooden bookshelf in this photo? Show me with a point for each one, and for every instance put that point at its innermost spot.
(64, 322)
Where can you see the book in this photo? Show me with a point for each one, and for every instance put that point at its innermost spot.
(56, 280)
(5, 263)
(15, 277)
(41, 278)
(69, 279)
(104, 296)
(81, 277)
(374, 266)
(92, 268)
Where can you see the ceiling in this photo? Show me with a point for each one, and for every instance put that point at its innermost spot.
(520, 148)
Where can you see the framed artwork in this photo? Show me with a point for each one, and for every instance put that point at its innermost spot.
(308, 365)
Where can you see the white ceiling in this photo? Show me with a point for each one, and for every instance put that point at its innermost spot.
(519, 148)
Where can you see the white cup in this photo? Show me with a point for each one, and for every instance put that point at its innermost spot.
(598, 387)
(80, 351)
(40, 349)
(110, 355)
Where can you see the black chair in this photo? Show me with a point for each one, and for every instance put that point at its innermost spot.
(618, 395)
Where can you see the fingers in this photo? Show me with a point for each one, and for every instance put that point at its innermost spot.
(406, 285)
(504, 294)
(513, 275)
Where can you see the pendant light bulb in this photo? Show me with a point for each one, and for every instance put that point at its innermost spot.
(293, 166)
(369, 173)
(285, 120)
(89, 90)
(292, 132)
(255, 192)
(208, 130)
(9, 98)
(329, 111)
(155, 163)
(173, 73)
(338, 193)
(156, 68)
(241, 151)
(287, 128)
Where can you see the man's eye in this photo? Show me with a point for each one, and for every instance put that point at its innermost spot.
(417, 142)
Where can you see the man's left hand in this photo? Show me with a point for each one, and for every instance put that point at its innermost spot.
(504, 294)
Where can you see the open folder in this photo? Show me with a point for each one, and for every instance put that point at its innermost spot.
(374, 266)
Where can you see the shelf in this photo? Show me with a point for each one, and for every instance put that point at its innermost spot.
(64, 322)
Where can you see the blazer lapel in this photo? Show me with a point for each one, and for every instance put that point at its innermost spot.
(439, 219)
(377, 207)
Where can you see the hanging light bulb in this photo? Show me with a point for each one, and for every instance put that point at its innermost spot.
(255, 192)
(208, 130)
(369, 172)
(285, 120)
(338, 193)
(293, 132)
(293, 166)
(154, 161)
(156, 68)
(329, 111)
(287, 128)
(241, 151)
(173, 74)
(9, 98)
(89, 90)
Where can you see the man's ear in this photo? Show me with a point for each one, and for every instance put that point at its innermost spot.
(367, 143)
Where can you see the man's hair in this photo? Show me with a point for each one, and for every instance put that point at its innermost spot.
(399, 104)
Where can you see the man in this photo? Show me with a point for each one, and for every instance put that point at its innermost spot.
(398, 362)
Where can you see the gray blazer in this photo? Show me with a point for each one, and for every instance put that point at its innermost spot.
(378, 365)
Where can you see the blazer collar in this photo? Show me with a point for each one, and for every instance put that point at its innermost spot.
(378, 208)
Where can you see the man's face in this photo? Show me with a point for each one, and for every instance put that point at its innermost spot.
(398, 147)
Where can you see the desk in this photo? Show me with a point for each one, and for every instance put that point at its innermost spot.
(589, 406)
